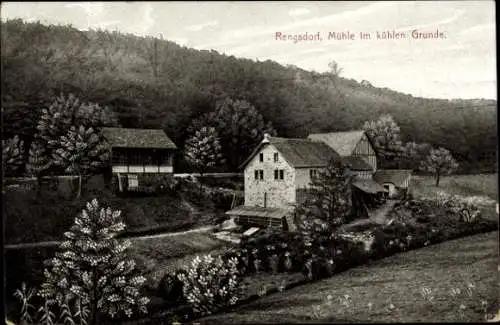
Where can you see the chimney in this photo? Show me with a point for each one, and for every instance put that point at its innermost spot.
(266, 138)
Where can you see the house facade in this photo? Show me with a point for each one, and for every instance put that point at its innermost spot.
(138, 154)
(279, 167)
(278, 174)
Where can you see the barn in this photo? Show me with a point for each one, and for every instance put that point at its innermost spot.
(137, 156)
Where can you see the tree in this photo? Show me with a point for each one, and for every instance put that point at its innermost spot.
(56, 120)
(386, 136)
(439, 162)
(92, 271)
(203, 149)
(335, 69)
(239, 125)
(38, 161)
(12, 155)
(329, 198)
(81, 151)
(67, 112)
(413, 153)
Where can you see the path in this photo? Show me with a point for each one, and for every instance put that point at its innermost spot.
(168, 234)
(380, 215)
(375, 216)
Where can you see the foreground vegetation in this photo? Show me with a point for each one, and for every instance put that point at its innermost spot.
(454, 281)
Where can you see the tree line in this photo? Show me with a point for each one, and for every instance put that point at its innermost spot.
(153, 83)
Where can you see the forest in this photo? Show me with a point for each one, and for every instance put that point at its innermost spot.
(154, 83)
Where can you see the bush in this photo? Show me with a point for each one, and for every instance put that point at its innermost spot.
(170, 288)
(211, 283)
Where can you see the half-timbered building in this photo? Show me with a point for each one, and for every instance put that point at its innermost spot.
(137, 154)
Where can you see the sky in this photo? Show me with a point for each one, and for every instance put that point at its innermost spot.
(461, 63)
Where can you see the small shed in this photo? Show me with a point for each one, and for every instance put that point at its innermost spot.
(396, 181)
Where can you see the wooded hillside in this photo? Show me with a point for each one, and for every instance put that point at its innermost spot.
(154, 83)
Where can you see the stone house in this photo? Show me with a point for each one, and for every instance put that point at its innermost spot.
(138, 157)
(278, 173)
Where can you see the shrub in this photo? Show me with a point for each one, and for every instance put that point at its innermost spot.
(170, 288)
(92, 268)
(211, 283)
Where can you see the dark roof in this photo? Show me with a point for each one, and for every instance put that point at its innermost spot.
(299, 153)
(368, 186)
(342, 142)
(275, 213)
(394, 176)
(137, 138)
(303, 152)
(357, 163)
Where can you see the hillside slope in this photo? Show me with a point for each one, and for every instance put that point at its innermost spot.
(156, 83)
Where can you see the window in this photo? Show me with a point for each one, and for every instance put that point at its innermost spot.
(259, 174)
(256, 174)
(313, 173)
(282, 174)
(133, 181)
(276, 174)
(276, 157)
(261, 157)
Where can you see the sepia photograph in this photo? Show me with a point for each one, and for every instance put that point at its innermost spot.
(249, 162)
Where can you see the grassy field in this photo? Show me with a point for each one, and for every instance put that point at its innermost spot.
(482, 186)
(157, 256)
(391, 289)
(467, 185)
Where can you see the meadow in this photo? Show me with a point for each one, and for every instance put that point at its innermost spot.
(415, 286)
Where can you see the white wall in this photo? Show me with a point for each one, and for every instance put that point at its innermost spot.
(280, 193)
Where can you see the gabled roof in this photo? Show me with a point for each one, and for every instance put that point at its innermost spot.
(299, 153)
(368, 185)
(357, 163)
(342, 142)
(137, 138)
(394, 176)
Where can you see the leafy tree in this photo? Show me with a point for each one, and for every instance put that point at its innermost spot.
(239, 125)
(81, 151)
(203, 149)
(12, 155)
(92, 273)
(386, 136)
(57, 119)
(413, 153)
(439, 162)
(66, 112)
(38, 161)
(328, 200)
(335, 69)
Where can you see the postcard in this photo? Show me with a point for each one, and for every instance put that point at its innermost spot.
(249, 162)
